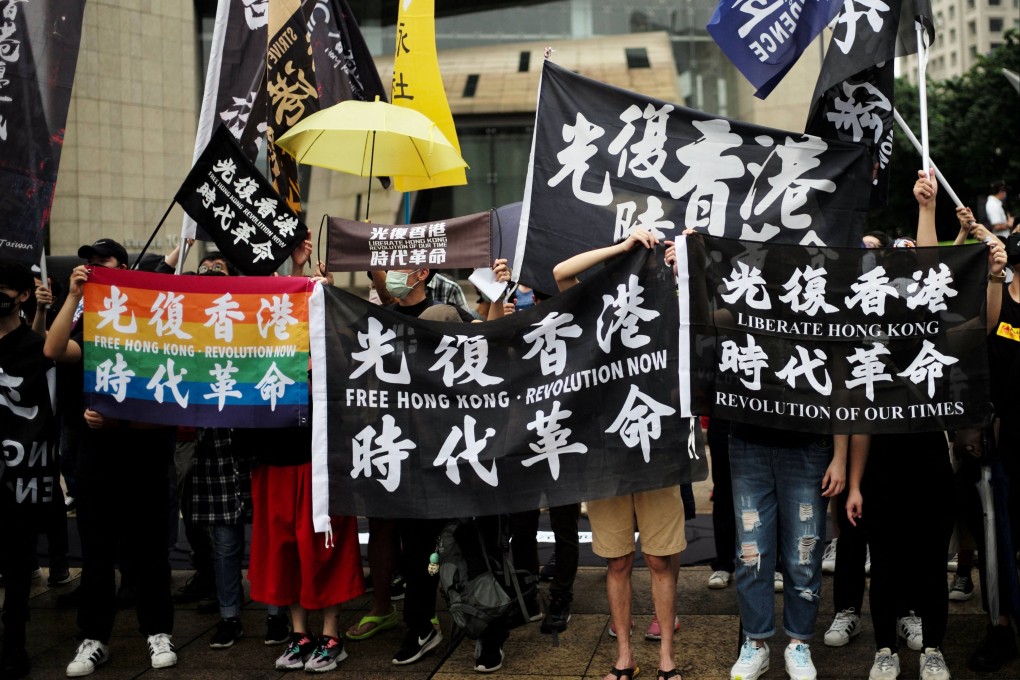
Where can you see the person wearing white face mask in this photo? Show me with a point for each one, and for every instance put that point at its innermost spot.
(409, 287)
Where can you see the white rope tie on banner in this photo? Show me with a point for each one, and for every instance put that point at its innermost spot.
(917, 145)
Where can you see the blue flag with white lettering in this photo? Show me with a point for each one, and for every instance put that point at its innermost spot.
(764, 38)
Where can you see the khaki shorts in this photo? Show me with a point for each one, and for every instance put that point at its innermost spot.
(660, 519)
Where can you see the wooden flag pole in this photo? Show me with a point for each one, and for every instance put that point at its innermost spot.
(917, 145)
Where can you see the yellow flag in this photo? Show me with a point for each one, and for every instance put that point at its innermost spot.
(418, 85)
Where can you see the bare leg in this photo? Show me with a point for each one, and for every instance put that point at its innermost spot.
(382, 558)
(298, 619)
(618, 589)
(330, 621)
(664, 577)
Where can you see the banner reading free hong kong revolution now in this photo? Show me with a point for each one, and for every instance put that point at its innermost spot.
(195, 350)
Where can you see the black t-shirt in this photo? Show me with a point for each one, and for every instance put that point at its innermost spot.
(416, 310)
(1004, 359)
(26, 419)
(71, 385)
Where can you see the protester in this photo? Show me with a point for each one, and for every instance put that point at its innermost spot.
(121, 465)
(291, 566)
(30, 488)
(658, 515)
(908, 568)
(724, 529)
(998, 220)
(996, 449)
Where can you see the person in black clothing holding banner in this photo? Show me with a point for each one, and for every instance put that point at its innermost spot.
(30, 478)
(417, 536)
(121, 465)
(908, 568)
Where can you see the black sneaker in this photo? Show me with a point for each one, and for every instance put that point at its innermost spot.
(277, 630)
(488, 656)
(558, 616)
(548, 570)
(415, 646)
(228, 631)
(59, 577)
(995, 651)
(397, 588)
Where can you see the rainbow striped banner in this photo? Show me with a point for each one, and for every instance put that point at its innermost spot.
(202, 351)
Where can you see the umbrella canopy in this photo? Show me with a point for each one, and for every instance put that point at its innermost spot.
(371, 139)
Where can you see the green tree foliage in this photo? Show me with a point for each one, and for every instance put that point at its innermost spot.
(974, 134)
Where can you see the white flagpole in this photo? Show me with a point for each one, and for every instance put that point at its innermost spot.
(43, 274)
(922, 91)
(917, 145)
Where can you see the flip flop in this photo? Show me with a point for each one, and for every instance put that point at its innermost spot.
(628, 673)
(378, 623)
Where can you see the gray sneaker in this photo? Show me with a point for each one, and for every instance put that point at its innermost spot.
(886, 666)
(933, 665)
(328, 653)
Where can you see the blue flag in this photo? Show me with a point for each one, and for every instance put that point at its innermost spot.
(764, 38)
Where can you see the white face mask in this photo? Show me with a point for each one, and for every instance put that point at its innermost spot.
(396, 283)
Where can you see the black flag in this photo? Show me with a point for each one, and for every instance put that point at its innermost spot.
(228, 197)
(853, 99)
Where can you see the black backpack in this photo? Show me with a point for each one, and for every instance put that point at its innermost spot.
(478, 578)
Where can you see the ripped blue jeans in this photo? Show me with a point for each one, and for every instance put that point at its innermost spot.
(777, 500)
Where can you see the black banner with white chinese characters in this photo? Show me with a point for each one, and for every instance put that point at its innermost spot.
(605, 161)
(38, 56)
(29, 472)
(456, 243)
(574, 399)
(228, 197)
(837, 340)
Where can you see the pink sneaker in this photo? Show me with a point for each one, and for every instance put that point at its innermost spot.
(654, 632)
(612, 628)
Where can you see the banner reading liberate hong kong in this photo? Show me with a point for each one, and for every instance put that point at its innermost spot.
(835, 340)
(196, 350)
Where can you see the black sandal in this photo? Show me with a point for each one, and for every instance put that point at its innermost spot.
(666, 675)
(628, 673)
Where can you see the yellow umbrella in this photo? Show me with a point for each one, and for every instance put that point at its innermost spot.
(371, 139)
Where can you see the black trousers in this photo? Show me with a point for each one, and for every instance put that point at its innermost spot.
(851, 554)
(122, 501)
(418, 542)
(723, 521)
(18, 532)
(524, 546)
(910, 502)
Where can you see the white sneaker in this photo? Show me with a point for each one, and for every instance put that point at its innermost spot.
(844, 628)
(933, 665)
(886, 666)
(909, 628)
(798, 662)
(953, 562)
(752, 662)
(829, 557)
(90, 655)
(161, 651)
(777, 581)
(719, 580)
